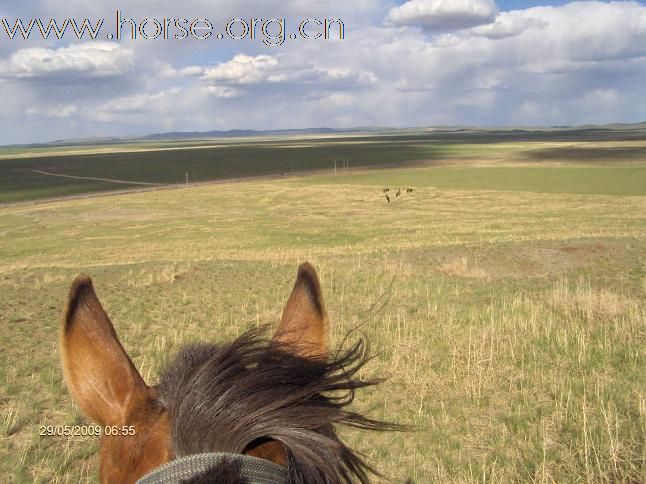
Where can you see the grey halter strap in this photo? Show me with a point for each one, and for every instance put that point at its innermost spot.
(252, 469)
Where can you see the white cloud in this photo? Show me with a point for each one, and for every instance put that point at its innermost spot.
(279, 69)
(58, 111)
(245, 69)
(443, 15)
(167, 71)
(136, 104)
(599, 102)
(606, 97)
(92, 59)
(583, 38)
(224, 92)
(508, 24)
(531, 66)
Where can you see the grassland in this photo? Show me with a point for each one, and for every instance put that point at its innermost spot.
(170, 163)
(505, 301)
(605, 180)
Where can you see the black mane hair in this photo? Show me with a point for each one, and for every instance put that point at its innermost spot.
(223, 398)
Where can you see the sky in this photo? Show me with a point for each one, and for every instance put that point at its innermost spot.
(400, 64)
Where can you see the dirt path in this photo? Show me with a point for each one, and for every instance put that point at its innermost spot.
(153, 187)
(111, 180)
(174, 186)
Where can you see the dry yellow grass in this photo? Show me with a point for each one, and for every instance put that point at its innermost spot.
(460, 267)
(586, 301)
(510, 325)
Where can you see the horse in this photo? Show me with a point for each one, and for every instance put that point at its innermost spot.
(258, 402)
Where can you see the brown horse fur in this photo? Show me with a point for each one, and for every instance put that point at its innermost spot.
(277, 399)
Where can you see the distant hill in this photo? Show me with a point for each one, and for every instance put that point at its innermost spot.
(631, 129)
(245, 133)
(248, 133)
(197, 135)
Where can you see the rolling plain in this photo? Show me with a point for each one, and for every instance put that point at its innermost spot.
(503, 297)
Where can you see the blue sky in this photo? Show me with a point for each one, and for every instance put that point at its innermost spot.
(401, 63)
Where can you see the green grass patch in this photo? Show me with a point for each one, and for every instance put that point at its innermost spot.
(616, 180)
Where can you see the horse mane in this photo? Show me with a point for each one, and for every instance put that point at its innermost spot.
(223, 398)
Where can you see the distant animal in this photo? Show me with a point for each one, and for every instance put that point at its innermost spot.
(252, 410)
(386, 190)
(399, 192)
(409, 190)
(387, 198)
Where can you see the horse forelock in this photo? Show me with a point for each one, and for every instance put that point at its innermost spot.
(223, 398)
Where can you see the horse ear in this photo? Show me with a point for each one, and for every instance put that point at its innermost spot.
(304, 326)
(98, 372)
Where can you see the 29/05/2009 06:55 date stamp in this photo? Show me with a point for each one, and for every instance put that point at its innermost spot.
(86, 430)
